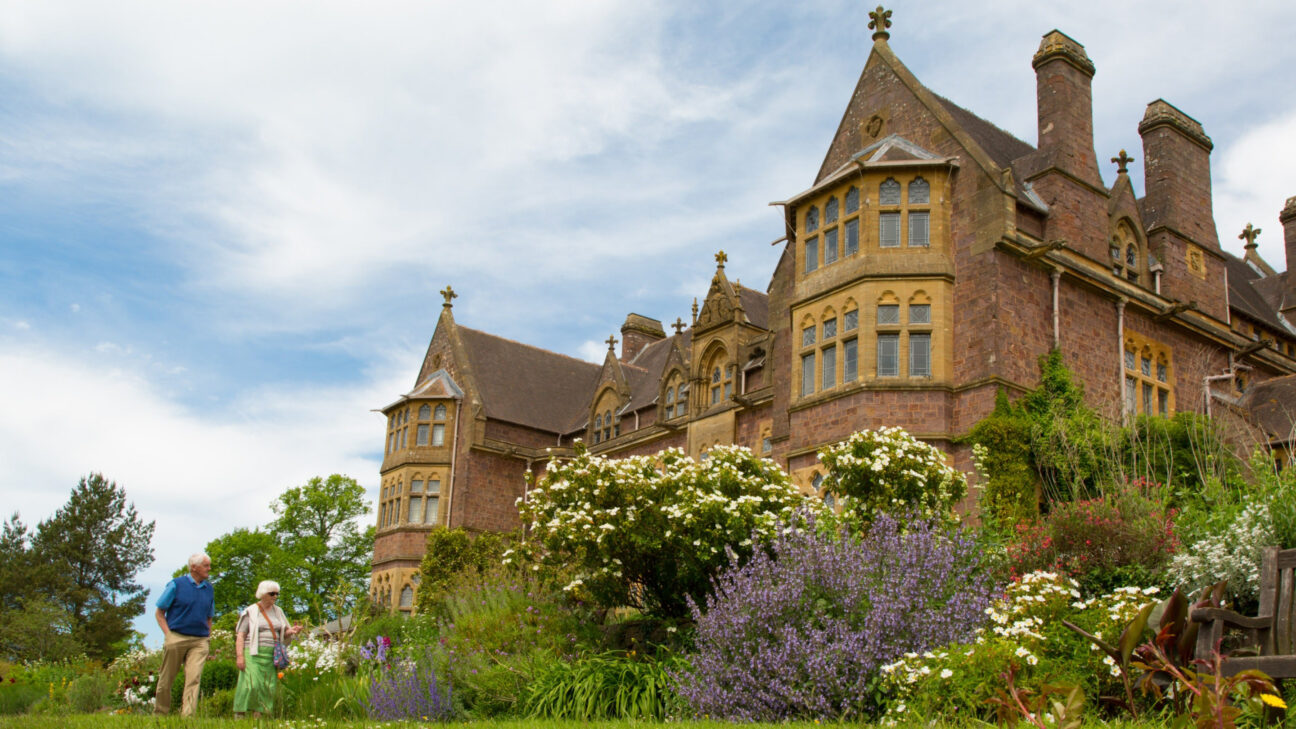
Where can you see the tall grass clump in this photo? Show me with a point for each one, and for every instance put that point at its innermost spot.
(801, 631)
(605, 686)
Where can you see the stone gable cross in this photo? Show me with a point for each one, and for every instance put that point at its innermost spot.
(611, 342)
(1122, 161)
(448, 293)
(879, 21)
(721, 258)
(679, 325)
(1249, 235)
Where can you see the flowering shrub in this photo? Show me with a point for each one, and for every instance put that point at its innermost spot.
(1233, 554)
(138, 684)
(889, 471)
(802, 632)
(1124, 537)
(652, 531)
(1025, 634)
(314, 655)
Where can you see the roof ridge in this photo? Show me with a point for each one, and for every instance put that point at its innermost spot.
(530, 346)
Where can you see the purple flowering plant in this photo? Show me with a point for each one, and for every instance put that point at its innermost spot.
(801, 631)
(407, 690)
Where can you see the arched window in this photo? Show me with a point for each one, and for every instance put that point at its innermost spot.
(889, 192)
(919, 192)
(440, 413)
(1131, 256)
(407, 597)
(425, 412)
(830, 211)
(720, 377)
(812, 219)
(852, 200)
(607, 425)
(670, 401)
(598, 428)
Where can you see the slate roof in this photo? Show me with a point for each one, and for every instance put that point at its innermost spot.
(1257, 297)
(527, 385)
(1272, 406)
(1001, 146)
(755, 304)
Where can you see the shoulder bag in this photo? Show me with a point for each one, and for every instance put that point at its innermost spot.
(281, 659)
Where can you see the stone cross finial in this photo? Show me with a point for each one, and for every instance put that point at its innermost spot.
(611, 342)
(679, 325)
(1249, 235)
(1122, 162)
(879, 21)
(720, 259)
(448, 293)
(695, 310)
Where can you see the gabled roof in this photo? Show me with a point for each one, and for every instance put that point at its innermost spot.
(1256, 297)
(437, 384)
(522, 384)
(755, 305)
(1001, 146)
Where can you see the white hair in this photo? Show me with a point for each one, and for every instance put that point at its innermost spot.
(198, 558)
(266, 586)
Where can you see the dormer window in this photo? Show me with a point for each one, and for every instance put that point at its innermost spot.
(1126, 253)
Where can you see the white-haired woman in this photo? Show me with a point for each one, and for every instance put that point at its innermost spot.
(259, 626)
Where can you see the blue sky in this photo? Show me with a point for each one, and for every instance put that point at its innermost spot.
(223, 226)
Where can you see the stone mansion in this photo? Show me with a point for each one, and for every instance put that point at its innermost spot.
(930, 262)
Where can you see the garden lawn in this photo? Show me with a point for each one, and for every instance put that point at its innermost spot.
(140, 721)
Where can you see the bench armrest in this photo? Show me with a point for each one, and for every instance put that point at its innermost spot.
(1237, 620)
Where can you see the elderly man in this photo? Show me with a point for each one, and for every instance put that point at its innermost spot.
(185, 612)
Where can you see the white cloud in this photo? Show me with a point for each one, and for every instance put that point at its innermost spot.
(199, 474)
(1251, 186)
(592, 351)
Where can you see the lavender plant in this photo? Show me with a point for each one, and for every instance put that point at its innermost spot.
(802, 632)
(407, 691)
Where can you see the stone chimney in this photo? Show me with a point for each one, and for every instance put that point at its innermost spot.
(1288, 218)
(1066, 175)
(1176, 174)
(638, 332)
(1177, 209)
(1064, 99)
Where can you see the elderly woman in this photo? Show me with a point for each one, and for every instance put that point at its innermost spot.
(259, 626)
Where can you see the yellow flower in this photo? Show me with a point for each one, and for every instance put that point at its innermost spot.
(1274, 701)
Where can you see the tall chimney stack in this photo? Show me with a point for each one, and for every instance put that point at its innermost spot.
(1288, 218)
(638, 332)
(1176, 167)
(1177, 210)
(1067, 177)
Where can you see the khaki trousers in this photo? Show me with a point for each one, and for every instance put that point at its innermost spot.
(191, 650)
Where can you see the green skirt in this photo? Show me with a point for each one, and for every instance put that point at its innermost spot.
(257, 682)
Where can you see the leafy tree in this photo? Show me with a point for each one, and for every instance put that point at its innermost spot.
(1002, 446)
(452, 552)
(31, 627)
(323, 547)
(240, 560)
(97, 543)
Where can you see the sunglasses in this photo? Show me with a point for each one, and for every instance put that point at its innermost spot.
(273, 594)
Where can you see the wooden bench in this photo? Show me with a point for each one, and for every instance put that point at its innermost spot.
(1272, 633)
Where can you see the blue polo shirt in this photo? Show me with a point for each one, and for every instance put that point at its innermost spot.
(188, 605)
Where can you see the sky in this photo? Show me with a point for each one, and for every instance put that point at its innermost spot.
(224, 226)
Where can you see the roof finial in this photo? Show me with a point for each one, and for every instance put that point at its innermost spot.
(449, 294)
(1249, 235)
(679, 325)
(611, 343)
(1122, 161)
(879, 21)
(720, 259)
(695, 309)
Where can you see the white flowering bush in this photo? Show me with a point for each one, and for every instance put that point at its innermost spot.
(136, 672)
(1023, 630)
(652, 531)
(1233, 554)
(314, 656)
(888, 470)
